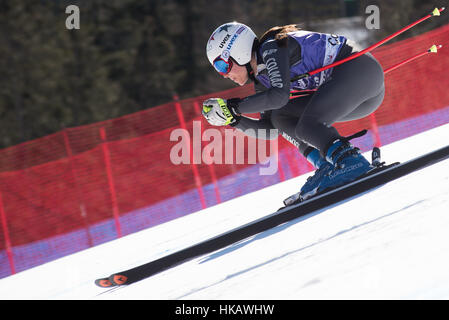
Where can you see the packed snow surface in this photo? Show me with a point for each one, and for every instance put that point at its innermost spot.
(389, 243)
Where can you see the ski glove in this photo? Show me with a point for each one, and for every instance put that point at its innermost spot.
(220, 112)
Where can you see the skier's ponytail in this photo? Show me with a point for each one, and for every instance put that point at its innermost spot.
(279, 33)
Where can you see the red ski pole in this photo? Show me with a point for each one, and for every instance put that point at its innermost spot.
(435, 12)
(432, 49)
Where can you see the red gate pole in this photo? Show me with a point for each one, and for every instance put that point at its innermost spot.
(196, 174)
(107, 162)
(79, 194)
(211, 167)
(292, 161)
(375, 129)
(7, 239)
(274, 148)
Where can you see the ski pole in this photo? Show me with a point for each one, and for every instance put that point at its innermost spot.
(432, 49)
(435, 12)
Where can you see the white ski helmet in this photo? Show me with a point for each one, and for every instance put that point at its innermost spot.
(231, 39)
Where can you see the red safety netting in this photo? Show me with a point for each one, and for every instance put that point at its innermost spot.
(83, 175)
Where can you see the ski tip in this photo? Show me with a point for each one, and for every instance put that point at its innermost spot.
(118, 279)
(112, 281)
(104, 283)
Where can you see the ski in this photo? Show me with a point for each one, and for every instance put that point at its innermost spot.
(104, 283)
(289, 213)
(112, 281)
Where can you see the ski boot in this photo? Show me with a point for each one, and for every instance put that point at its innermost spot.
(348, 165)
(324, 167)
(310, 188)
(343, 164)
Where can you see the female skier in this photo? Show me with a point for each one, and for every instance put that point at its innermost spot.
(346, 92)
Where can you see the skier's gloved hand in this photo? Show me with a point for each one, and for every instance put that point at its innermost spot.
(221, 112)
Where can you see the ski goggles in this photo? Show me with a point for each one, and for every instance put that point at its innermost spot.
(223, 67)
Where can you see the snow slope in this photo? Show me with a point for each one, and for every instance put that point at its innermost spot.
(390, 243)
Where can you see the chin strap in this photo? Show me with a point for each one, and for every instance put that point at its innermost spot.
(250, 72)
